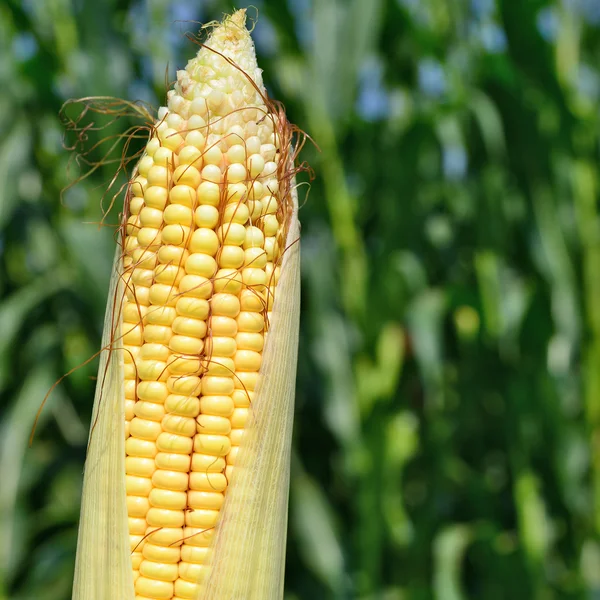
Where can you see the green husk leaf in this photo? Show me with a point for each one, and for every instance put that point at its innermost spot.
(103, 564)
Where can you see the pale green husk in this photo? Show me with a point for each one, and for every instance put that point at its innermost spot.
(103, 563)
(249, 545)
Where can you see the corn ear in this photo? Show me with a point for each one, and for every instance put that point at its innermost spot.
(248, 548)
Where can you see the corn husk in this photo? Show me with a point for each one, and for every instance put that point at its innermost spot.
(103, 564)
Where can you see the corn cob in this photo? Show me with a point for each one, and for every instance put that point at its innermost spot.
(186, 480)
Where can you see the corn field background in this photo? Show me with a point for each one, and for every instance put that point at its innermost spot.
(447, 441)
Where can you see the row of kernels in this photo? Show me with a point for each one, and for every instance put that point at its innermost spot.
(141, 448)
(167, 499)
(238, 132)
(134, 309)
(139, 466)
(248, 357)
(211, 443)
(137, 278)
(136, 203)
(140, 455)
(132, 318)
(249, 325)
(171, 479)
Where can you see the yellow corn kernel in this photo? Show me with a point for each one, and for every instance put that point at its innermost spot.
(162, 554)
(217, 405)
(169, 461)
(161, 571)
(137, 506)
(195, 554)
(188, 386)
(214, 425)
(139, 447)
(171, 537)
(177, 444)
(162, 517)
(152, 588)
(186, 589)
(170, 480)
(152, 391)
(186, 406)
(218, 445)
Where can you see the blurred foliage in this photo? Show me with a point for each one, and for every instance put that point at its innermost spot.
(448, 409)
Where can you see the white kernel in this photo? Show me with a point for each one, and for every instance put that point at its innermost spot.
(146, 162)
(215, 99)
(236, 173)
(252, 143)
(213, 156)
(190, 155)
(251, 130)
(270, 225)
(152, 146)
(249, 114)
(236, 192)
(163, 157)
(174, 121)
(236, 154)
(235, 135)
(254, 238)
(212, 173)
(272, 185)
(268, 151)
(237, 213)
(256, 191)
(209, 193)
(198, 107)
(269, 204)
(256, 209)
(269, 170)
(206, 216)
(256, 163)
(195, 138)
